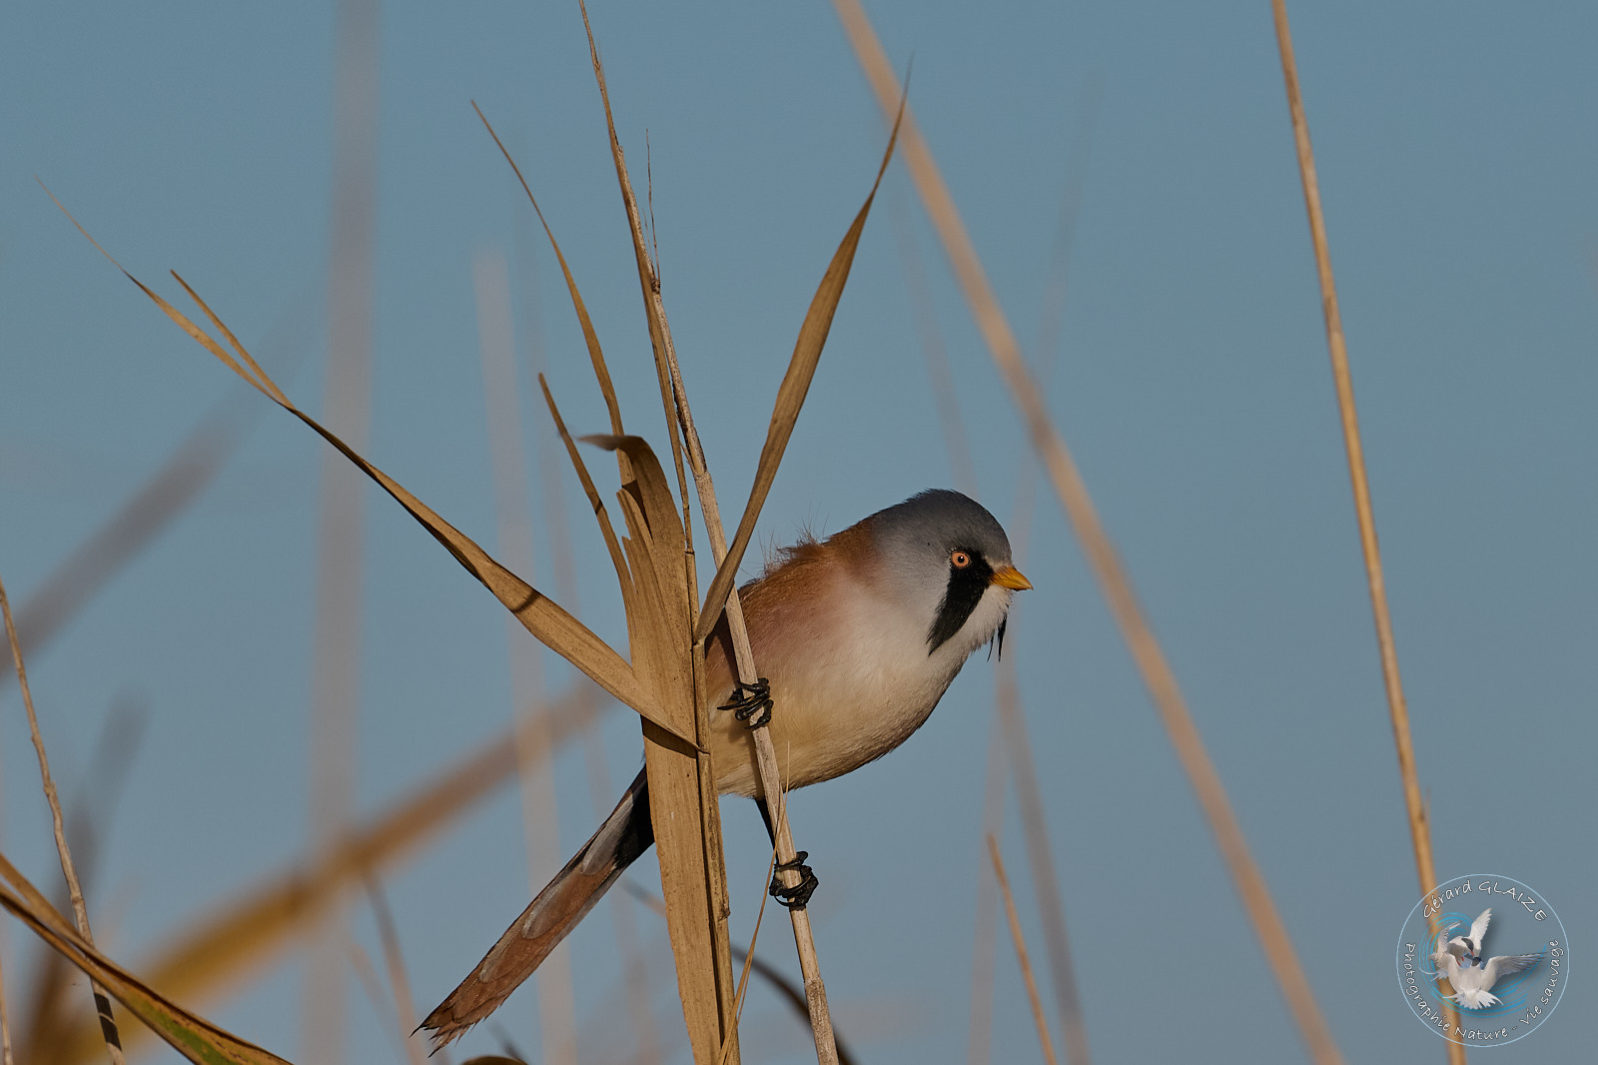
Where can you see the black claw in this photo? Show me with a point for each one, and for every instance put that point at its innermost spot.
(751, 703)
(798, 896)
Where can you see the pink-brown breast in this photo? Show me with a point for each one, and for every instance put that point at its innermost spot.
(847, 667)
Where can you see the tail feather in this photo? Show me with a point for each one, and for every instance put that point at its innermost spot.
(626, 834)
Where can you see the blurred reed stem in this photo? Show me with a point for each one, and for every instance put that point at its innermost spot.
(1101, 555)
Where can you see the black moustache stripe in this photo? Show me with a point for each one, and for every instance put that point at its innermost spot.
(960, 598)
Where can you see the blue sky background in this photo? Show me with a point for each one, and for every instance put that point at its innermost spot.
(1457, 163)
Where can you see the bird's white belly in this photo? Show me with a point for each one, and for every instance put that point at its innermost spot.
(839, 705)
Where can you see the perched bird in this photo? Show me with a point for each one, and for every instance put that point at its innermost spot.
(1468, 948)
(858, 636)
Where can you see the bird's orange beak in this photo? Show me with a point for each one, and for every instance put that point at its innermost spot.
(1010, 577)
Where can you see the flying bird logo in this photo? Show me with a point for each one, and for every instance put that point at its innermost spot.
(1459, 960)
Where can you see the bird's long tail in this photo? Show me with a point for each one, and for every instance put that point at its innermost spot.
(626, 834)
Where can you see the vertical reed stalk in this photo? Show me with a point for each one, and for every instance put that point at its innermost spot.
(790, 399)
(1343, 380)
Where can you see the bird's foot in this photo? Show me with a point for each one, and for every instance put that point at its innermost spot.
(798, 896)
(751, 703)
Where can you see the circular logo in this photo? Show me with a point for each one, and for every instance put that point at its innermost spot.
(1482, 960)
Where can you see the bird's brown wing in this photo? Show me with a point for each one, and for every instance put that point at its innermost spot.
(626, 834)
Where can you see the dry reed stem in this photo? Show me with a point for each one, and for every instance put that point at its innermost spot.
(1343, 380)
(791, 993)
(623, 918)
(115, 753)
(651, 591)
(749, 956)
(722, 595)
(765, 753)
(796, 382)
(1040, 857)
(1020, 951)
(216, 951)
(692, 864)
(398, 981)
(1101, 555)
(790, 398)
(80, 910)
(513, 514)
(636, 979)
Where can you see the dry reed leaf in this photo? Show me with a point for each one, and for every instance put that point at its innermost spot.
(194, 1037)
(791, 395)
(595, 355)
(654, 309)
(541, 616)
(1165, 692)
(213, 954)
(617, 558)
(662, 645)
(651, 576)
(667, 366)
(693, 873)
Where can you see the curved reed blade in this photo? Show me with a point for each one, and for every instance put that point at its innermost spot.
(686, 842)
(591, 338)
(539, 614)
(791, 394)
(190, 1035)
(617, 559)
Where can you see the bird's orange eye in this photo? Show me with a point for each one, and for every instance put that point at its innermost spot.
(960, 560)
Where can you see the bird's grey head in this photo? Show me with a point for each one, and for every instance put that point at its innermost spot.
(947, 558)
